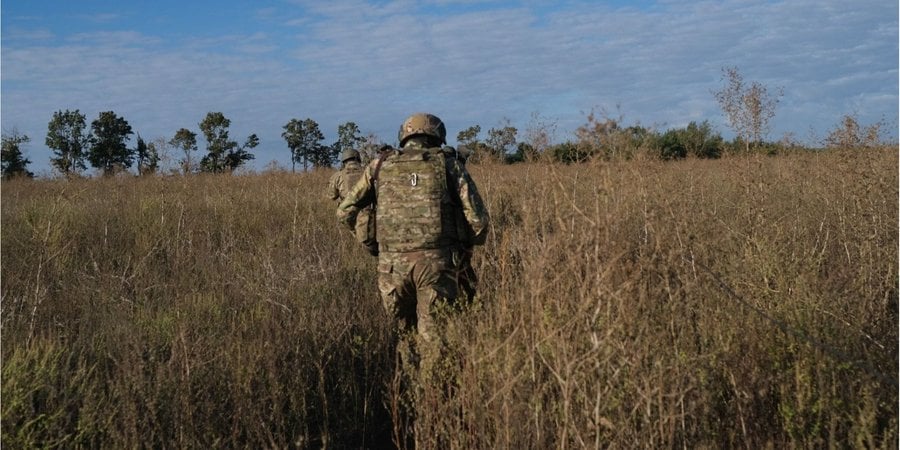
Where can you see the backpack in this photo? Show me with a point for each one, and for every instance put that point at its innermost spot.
(414, 210)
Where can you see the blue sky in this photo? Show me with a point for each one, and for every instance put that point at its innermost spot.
(163, 65)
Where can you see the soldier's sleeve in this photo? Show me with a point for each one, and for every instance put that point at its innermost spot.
(333, 192)
(472, 205)
(362, 194)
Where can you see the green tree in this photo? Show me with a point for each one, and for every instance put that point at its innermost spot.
(524, 152)
(304, 139)
(186, 141)
(500, 141)
(238, 156)
(697, 140)
(324, 156)
(223, 153)
(348, 137)
(67, 138)
(468, 141)
(469, 136)
(701, 141)
(749, 109)
(108, 151)
(568, 152)
(12, 161)
(147, 156)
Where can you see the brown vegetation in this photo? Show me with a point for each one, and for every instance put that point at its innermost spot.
(743, 302)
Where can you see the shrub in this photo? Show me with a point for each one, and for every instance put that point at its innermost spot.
(698, 140)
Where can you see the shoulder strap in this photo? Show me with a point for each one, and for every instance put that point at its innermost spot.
(378, 164)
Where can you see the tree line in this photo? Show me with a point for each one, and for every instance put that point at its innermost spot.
(105, 146)
(749, 109)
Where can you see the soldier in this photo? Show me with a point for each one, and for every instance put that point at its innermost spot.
(338, 187)
(341, 182)
(421, 191)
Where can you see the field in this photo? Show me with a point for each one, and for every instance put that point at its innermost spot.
(743, 302)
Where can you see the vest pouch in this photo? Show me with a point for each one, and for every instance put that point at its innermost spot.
(412, 187)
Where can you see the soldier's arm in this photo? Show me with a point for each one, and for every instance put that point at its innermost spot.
(333, 192)
(362, 194)
(472, 205)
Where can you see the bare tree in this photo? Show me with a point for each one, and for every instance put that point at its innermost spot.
(748, 108)
(169, 163)
(606, 137)
(370, 148)
(849, 133)
(539, 136)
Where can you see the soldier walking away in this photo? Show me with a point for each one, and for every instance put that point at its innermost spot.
(421, 193)
(341, 182)
(338, 187)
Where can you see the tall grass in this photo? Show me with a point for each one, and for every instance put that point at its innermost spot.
(744, 302)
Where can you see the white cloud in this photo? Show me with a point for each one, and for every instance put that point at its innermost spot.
(100, 18)
(374, 63)
(105, 40)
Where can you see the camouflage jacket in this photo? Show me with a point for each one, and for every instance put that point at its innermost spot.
(461, 191)
(341, 182)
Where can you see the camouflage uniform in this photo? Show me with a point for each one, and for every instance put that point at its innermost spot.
(466, 276)
(341, 182)
(339, 186)
(417, 274)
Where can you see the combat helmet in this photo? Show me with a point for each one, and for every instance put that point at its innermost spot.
(349, 154)
(422, 124)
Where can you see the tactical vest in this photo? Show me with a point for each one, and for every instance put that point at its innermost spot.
(350, 175)
(414, 209)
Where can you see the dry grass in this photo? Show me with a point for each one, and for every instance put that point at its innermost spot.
(744, 302)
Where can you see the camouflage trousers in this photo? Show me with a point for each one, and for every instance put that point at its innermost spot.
(466, 277)
(419, 290)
